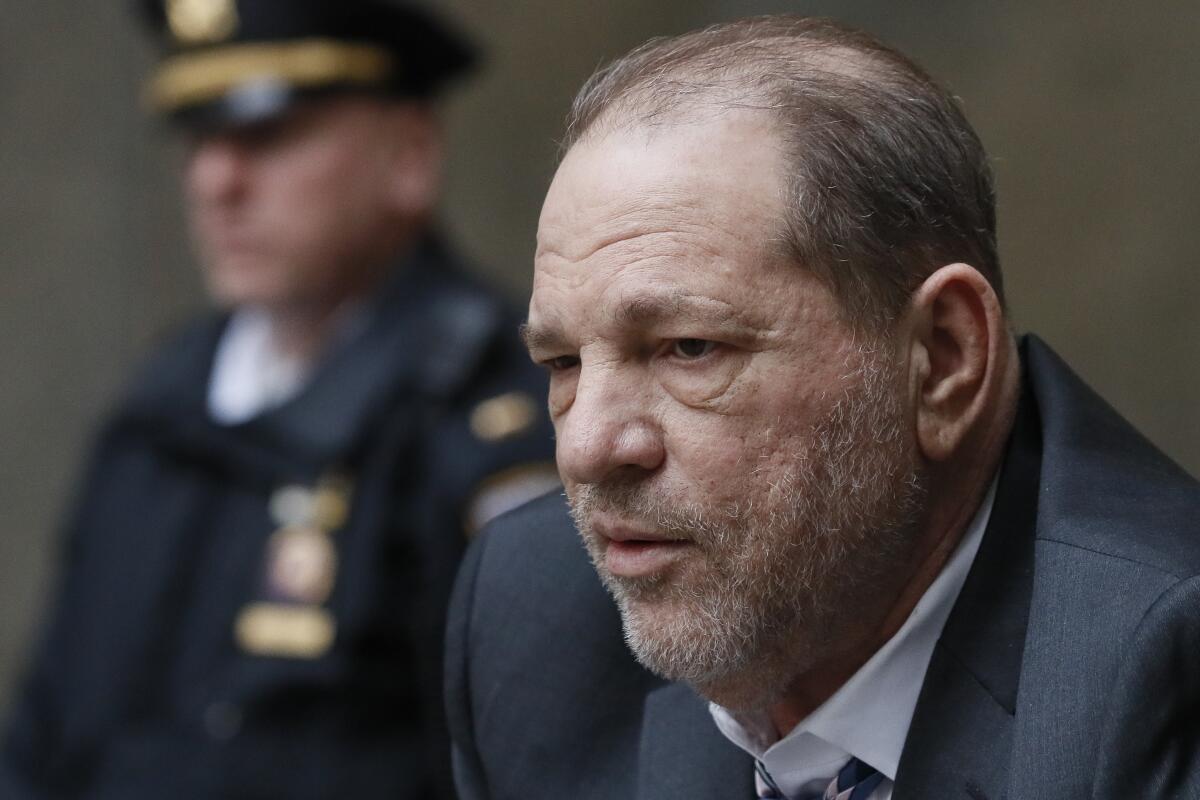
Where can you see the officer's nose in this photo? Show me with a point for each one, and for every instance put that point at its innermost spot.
(609, 427)
(216, 169)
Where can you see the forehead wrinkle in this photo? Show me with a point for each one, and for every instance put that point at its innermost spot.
(686, 226)
(613, 216)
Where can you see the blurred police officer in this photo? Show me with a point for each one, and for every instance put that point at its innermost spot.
(255, 573)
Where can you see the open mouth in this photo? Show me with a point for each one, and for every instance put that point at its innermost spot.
(639, 558)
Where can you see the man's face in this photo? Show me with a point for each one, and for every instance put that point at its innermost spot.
(738, 462)
(297, 210)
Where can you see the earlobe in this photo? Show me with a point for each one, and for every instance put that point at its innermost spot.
(956, 319)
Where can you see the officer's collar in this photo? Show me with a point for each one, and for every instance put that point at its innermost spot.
(426, 332)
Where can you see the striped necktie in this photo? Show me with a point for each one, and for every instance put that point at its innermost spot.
(856, 781)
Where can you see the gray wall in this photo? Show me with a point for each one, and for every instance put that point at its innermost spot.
(1088, 108)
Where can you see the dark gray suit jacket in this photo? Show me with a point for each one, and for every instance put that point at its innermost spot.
(1069, 668)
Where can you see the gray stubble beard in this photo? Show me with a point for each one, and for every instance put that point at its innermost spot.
(783, 572)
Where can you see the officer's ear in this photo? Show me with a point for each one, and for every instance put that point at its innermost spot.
(414, 158)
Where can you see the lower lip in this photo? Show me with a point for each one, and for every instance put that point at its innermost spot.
(640, 559)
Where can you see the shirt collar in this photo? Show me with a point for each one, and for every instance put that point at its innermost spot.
(250, 375)
(869, 716)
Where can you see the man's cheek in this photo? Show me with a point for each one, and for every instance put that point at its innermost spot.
(710, 461)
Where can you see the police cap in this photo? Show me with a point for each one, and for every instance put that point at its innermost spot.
(228, 62)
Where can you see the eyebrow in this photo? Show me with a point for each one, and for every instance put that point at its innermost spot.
(541, 339)
(650, 309)
(645, 311)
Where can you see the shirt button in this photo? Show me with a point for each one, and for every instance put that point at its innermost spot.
(222, 720)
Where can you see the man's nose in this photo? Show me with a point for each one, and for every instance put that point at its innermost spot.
(609, 427)
(216, 169)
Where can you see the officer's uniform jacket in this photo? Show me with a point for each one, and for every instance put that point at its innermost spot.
(175, 665)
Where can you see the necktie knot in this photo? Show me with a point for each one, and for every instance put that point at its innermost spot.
(855, 781)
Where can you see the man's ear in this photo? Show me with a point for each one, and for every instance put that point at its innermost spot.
(959, 354)
(414, 159)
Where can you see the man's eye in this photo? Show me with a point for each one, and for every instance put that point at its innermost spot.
(692, 348)
(562, 363)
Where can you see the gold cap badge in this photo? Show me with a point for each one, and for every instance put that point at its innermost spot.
(202, 21)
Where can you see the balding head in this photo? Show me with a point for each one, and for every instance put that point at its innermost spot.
(887, 181)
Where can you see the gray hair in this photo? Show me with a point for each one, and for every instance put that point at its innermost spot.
(889, 181)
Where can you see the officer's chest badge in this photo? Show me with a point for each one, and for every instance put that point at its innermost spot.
(287, 618)
(301, 565)
(195, 22)
(281, 631)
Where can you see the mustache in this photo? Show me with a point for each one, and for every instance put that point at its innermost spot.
(640, 502)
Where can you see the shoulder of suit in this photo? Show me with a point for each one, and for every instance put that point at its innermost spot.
(1105, 489)
(532, 561)
(539, 530)
(547, 517)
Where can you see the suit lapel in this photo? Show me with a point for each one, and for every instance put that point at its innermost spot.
(683, 755)
(959, 741)
(961, 735)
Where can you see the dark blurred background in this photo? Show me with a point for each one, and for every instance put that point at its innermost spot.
(1089, 110)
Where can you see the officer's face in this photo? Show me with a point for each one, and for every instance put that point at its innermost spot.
(303, 210)
(737, 461)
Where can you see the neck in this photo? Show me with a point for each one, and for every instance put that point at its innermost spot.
(302, 334)
(817, 684)
(302, 328)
